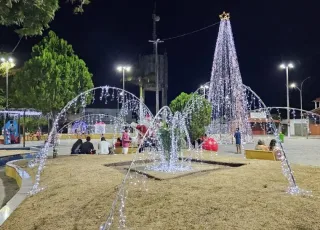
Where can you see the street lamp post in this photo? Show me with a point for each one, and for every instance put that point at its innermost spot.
(293, 85)
(286, 67)
(204, 88)
(123, 69)
(9, 63)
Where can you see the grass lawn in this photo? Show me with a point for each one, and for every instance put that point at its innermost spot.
(80, 191)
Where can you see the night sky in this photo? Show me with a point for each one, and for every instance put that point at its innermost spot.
(117, 31)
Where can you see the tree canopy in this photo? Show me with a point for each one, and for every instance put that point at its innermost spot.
(2, 99)
(52, 77)
(32, 16)
(199, 112)
(32, 124)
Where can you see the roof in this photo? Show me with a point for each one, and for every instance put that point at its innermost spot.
(317, 111)
(317, 100)
(21, 112)
(263, 120)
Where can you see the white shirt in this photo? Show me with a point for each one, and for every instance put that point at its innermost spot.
(104, 147)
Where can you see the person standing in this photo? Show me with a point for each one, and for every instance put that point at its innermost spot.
(140, 142)
(237, 136)
(125, 141)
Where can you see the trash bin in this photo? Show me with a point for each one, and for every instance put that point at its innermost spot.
(281, 137)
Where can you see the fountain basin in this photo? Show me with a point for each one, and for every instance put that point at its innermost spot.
(194, 167)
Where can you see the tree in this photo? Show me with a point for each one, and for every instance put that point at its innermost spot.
(32, 124)
(2, 99)
(199, 112)
(52, 77)
(32, 16)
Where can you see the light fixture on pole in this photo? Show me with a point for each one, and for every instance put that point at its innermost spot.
(287, 67)
(7, 63)
(293, 85)
(204, 88)
(123, 69)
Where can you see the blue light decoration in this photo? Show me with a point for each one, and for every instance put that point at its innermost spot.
(79, 127)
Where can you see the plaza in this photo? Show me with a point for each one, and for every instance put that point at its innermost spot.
(79, 188)
(222, 147)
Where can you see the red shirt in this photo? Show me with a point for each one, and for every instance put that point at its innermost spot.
(125, 140)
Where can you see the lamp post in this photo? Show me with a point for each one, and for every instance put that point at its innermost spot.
(287, 67)
(293, 85)
(204, 88)
(123, 69)
(8, 63)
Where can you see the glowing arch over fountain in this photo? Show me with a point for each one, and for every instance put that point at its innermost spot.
(107, 93)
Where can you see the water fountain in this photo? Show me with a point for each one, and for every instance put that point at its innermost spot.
(230, 110)
(170, 131)
(231, 105)
(107, 94)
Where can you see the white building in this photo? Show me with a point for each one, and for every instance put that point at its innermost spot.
(298, 127)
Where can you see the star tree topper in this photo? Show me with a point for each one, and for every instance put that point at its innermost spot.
(224, 16)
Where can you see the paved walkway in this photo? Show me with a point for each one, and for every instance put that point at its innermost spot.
(298, 150)
(8, 188)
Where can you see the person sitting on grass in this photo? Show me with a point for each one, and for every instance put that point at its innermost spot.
(261, 146)
(104, 146)
(87, 147)
(76, 147)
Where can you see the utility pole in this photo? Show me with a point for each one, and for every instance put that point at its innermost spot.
(288, 101)
(286, 67)
(155, 42)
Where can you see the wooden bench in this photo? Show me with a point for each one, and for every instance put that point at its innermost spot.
(260, 155)
(132, 150)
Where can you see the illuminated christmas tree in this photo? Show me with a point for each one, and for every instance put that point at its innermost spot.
(226, 92)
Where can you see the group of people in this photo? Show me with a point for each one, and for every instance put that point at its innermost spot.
(261, 145)
(104, 147)
(272, 147)
(87, 147)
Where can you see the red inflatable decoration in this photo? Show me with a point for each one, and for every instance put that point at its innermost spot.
(210, 144)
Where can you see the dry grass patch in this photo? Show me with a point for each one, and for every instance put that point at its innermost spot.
(4, 153)
(80, 190)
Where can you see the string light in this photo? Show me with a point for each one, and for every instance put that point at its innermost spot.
(231, 107)
(226, 92)
(80, 101)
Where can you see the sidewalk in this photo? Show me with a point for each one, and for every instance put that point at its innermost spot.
(298, 150)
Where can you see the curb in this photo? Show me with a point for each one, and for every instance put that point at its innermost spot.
(25, 183)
